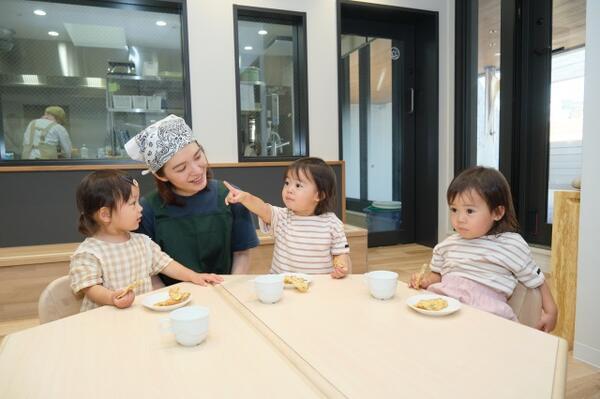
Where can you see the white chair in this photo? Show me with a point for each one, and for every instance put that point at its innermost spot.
(527, 304)
(58, 301)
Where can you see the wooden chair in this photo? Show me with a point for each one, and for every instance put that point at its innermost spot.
(527, 304)
(58, 301)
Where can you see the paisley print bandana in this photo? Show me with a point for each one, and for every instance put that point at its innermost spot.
(157, 143)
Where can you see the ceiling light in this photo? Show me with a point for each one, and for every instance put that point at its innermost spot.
(492, 44)
(492, 31)
(39, 12)
(53, 33)
(248, 48)
(161, 23)
(497, 54)
(262, 32)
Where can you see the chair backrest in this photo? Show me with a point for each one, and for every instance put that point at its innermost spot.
(527, 304)
(58, 301)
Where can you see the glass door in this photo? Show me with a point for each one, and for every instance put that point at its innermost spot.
(377, 134)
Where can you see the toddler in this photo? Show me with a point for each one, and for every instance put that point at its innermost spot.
(481, 264)
(309, 238)
(112, 258)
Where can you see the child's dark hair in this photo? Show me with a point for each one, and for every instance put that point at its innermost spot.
(103, 188)
(322, 175)
(165, 188)
(491, 185)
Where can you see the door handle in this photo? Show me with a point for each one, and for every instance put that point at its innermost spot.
(412, 101)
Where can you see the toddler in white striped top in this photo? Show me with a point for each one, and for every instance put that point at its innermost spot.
(309, 237)
(481, 264)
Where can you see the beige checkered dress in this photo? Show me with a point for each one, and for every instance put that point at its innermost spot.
(116, 265)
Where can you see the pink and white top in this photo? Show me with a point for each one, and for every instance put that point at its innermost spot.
(305, 244)
(496, 261)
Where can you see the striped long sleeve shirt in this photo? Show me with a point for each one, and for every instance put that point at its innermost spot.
(497, 261)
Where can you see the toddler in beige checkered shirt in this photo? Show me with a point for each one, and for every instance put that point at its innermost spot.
(112, 257)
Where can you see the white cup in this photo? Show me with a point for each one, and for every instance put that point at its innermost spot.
(269, 287)
(382, 283)
(189, 324)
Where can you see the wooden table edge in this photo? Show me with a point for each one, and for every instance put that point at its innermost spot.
(3, 343)
(559, 385)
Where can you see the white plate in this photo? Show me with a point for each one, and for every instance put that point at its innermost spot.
(303, 276)
(151, 300)
(453, 304)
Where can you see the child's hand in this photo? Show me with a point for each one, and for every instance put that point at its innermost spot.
(417, 280)
(547, 321)
(340, 270)
(125, 301)
(206, 278)
(235, 196)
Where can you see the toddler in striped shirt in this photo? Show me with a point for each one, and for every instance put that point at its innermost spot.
(481, 264)
(309, 237)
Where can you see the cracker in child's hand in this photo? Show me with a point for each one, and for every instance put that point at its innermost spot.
(338, 263)
(130, 287)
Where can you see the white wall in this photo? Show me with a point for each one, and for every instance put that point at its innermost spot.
(212, 70)
(212, 80)
(587, 325)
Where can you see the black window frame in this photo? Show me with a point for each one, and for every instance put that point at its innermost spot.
(298, 21)
(526, 39)
(165, 6)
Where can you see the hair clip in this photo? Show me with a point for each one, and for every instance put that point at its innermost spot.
(130, 180)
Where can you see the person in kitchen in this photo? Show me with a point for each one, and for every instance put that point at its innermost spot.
(187, 215)
(46, 137)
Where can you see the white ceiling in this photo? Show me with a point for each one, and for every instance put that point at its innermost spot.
(139, 27)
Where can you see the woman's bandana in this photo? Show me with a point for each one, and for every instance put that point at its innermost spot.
(159, 142)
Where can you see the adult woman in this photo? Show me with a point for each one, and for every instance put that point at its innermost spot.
(44, 136)
(187, 215)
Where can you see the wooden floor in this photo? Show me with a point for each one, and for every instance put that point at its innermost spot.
(583, 380)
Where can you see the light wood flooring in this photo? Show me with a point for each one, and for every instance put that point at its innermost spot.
(583, 380)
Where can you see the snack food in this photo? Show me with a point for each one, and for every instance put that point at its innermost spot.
(421, 275)
(339, 264)
(298, 282)
(434, 304)
(175, 297)
(130, 287)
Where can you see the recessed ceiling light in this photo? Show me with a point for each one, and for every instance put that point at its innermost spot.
(497, 54)
(161, 23)
(53, 33)
(262, 32)
(39, 12)
(492, 44)
(492, 31)
(248, 48)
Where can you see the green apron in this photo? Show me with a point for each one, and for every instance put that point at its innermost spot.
(200, 242)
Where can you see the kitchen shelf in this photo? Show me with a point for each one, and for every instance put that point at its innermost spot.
(147, 111)
(254, 83)
(145, 78)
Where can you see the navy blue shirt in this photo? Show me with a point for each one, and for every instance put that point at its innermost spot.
(243, 234)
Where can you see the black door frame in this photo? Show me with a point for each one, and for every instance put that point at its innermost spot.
(526, 60)
(419, 202)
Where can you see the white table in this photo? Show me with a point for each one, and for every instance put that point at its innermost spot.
(113, 353)
(333, 341)
(371, 348)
